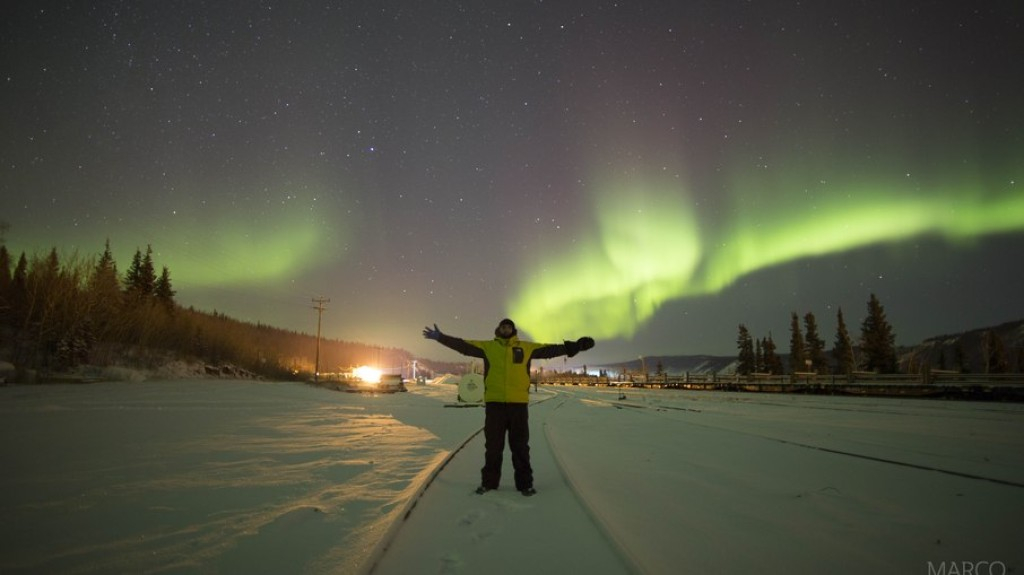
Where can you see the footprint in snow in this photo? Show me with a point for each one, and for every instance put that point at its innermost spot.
(471, 517)
(450, 564)
(483, 534)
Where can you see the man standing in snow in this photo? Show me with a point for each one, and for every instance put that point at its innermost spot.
(506, 395)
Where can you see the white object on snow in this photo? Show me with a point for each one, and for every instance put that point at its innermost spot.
(471, 388)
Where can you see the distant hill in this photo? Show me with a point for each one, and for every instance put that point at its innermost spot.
(970, 351)
(672, 364)
(964, 352)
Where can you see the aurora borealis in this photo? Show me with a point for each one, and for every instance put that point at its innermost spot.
(648, 173)
(650, 251)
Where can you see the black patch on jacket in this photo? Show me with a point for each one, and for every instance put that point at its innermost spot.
(517, 355)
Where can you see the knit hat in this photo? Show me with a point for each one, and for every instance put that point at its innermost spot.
(504, 322)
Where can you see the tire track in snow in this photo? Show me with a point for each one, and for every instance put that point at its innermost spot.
(592, 510)
(657, 410)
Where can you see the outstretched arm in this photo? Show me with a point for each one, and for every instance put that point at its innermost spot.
(568, 348)
(434, 334)
(457, 343)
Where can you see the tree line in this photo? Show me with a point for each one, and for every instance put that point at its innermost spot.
(57, 314)
(877, 347)
(874, 350)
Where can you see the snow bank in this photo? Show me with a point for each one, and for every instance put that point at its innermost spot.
(446, 379)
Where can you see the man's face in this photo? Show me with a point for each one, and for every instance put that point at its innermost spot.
(505, 330)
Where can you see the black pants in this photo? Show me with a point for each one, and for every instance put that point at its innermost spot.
(514, 419)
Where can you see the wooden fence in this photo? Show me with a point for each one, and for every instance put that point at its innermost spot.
(995, 387)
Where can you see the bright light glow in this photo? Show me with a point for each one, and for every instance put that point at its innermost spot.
(367, 374)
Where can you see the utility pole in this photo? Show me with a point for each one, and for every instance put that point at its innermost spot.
(319, 301)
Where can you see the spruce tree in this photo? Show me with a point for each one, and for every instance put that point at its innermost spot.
(19, 280)
(18, 295)
(148, 276)
(6, 281)
(843, 350)
(140, 280)
(45, 310)
(878, 340)
(132, 278)
(772, 362)
(105, 294)
(163, 291)
(747, 362)
(104, 283)
(815, 345)
(796, 345)
(50, 269)
(5, 275)
(6, 290)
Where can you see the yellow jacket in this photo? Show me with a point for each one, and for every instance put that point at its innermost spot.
(507, 363)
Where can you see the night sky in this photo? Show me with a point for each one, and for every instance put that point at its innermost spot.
(649, 173)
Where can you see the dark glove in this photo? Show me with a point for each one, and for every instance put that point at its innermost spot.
(434, 334)
(581, 344)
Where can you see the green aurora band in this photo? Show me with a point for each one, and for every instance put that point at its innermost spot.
(245, 253)
(213, 248)
(649, 249)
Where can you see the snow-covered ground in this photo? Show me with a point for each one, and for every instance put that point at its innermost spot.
(240, 477)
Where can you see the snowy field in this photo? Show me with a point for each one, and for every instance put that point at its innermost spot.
(238, 477)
